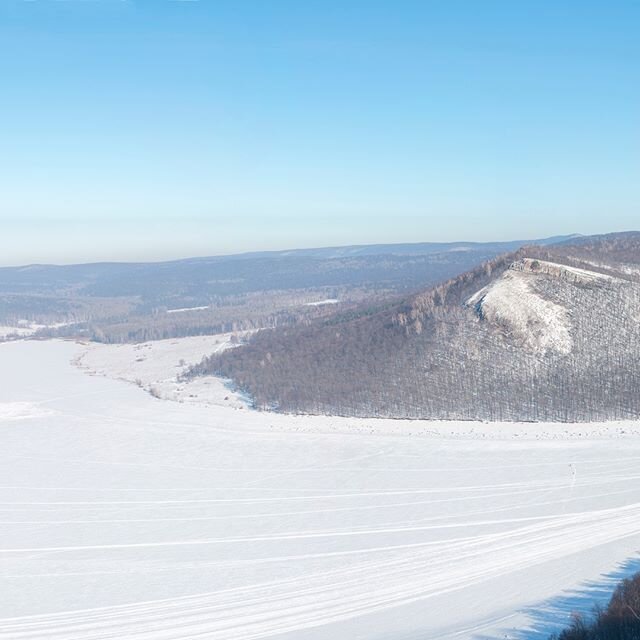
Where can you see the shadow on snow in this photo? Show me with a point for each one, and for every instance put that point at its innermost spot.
(554, 615)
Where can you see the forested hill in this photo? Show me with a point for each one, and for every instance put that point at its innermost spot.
(544, 333)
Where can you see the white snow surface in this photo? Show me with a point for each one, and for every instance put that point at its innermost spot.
(538, 323)
(24, 328)
(126, 516)
(156, 367)
(321, 303)
(6, 331)
(21, 411)
(185, 309)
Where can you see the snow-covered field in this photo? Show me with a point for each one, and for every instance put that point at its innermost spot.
(126, 516)
(21, 330)
(156, 367)
(24, 328)
(320, 303)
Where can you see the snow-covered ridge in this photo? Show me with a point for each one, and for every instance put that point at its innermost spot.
(573, 274)
(622, 268)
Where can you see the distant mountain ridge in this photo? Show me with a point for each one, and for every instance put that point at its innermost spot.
(407, 248)
(543, 333)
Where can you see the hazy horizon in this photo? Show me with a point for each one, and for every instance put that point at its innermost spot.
(135, 257)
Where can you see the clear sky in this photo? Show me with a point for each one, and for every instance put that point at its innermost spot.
(150, 129)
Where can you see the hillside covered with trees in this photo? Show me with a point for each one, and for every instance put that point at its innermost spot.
(619, 620)
(543, 333)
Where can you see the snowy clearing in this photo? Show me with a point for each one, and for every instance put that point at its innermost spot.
(7, 331)
(187, 309)
(24, 328)
(125, 516)
(321, 303)
(156, 367)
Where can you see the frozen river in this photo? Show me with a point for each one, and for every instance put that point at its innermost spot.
(124, 516)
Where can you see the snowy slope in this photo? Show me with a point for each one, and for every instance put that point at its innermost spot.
(513, 301)
(125, 516)
(539, 323)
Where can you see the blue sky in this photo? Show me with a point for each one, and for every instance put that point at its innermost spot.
(151, 129)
